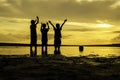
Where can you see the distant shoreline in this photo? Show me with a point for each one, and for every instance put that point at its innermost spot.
(27, 45)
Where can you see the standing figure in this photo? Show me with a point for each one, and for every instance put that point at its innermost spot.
(44, 38)
(57, 36)
(33, 36)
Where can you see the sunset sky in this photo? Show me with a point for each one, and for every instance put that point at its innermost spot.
(89, 21)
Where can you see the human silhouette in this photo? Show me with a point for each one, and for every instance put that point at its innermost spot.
(44, 30)
(81, 48)
(33, 36)
(57, 36)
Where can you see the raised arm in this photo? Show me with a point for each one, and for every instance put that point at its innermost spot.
(41, 26)
(48, 25)
(52, 24)
(37, 20)
(63, 23)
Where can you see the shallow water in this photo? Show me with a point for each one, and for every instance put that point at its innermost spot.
(67, 51)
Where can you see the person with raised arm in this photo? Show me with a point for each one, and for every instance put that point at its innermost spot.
(33, 36)
(44, 30)
(57, 36)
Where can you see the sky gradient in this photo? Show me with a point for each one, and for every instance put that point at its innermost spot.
(89, 21)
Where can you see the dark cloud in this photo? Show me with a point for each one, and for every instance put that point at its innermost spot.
(9, 20)
(84, 12)
(116, 39)
(116, 32)
(79, 11)
(66, 36)
(10, 37)
(81, 30)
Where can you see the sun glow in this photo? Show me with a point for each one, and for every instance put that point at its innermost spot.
(104, 25)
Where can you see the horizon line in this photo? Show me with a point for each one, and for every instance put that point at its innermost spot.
(27, 44)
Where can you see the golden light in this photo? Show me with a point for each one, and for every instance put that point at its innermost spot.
(104, 25)
(78, 0)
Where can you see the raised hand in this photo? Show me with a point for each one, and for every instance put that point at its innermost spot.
(51, 24)
(37, 20)
(63, 23)
(48, 25)
(65, 20)
(49, 21)
(37, 17)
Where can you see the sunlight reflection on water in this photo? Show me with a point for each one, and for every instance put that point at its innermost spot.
(67, 51)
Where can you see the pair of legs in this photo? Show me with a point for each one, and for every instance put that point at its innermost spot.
(57, 50)
(44, 50)
(57, 43)
(33, 45)
(33, 50)
(44, 47)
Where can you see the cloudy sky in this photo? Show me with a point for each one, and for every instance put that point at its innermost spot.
(89, 21)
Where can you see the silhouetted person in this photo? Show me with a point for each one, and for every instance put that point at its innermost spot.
(57, 36)
(44, 30)
(81, 48)
(33, 35)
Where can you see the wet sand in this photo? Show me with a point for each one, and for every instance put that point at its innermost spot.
(59, 68)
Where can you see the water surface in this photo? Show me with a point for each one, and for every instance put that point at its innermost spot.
(67, 51)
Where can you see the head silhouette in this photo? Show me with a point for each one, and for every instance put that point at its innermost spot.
(44, 25)
(57, 25)
(32, 22)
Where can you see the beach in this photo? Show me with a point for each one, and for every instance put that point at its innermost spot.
(59, 68)
(59, 39)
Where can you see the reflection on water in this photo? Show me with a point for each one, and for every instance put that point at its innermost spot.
(67, 51)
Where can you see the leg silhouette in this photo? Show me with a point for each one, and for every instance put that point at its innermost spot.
(35, 53)
(31, 51)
